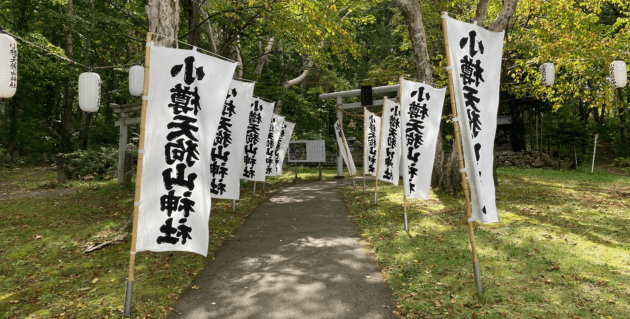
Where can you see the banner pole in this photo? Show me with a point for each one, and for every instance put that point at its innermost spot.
(345, 148)
(594, 151)
(136, 205)
(403, 138)
(264, 186)
(405, 212)
(234, 204)
(254, 188)
(364, 148)
(378, 154)
(458, 141)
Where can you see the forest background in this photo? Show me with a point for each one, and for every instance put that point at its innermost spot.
(296, 50)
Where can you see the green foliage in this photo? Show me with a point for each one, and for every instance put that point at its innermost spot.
(621, 162)
(98, 163)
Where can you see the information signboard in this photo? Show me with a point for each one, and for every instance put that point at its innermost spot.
(307, 151)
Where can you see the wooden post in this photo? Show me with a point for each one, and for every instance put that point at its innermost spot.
(458, 140)
(594, 150)
(319, 165)
(122, 148)
(136, 205)
(254, 194)
(378, 154)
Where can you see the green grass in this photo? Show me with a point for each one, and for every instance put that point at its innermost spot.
(561, 249)
(44, 272)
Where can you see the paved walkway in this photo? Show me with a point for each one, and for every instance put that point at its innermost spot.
(297, 256)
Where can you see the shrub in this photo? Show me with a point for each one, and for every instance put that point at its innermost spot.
(621, 162)
(98, 163)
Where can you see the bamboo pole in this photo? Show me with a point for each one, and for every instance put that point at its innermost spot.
(594, 150)
(347, 151)
(458, 141)
(402, 147)
(405, 211)
(378, 153)
(136, 207)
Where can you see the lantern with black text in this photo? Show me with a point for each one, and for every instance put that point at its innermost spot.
(8, 66)
(89, 91)
(618, 74)
(547, 73)
(136, 80)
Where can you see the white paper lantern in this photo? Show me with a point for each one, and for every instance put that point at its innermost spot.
(618, 74)
(89, 91)
(136, 80)
(547, 73)
(8, 66)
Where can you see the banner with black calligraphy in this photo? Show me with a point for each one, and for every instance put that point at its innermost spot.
(475, 55)
(229, 143)
(275, 130)
(344, 149)
(257, 133)
(422, 107)
(283, 144)
(371, 138)
(187, 91)
(390, 149)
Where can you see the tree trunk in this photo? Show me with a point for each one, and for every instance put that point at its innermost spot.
(66, 116)
(191, 10)
(209, 32)
(412, 13)
(163, 16)
(263, 56)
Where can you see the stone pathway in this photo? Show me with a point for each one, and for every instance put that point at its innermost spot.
(297, 256)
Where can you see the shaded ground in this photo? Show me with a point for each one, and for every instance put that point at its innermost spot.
(297, 256)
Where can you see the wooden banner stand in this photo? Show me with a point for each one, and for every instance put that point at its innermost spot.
(378, 155)
(233, 204)
(405, 211)
(136, 204)
(458, 140)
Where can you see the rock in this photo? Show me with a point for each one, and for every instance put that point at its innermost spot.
(538, 164)
(507, 163)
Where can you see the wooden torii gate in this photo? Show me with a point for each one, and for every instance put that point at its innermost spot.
(352, 93)
(124, 175)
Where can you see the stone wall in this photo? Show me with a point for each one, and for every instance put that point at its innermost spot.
(526, 159)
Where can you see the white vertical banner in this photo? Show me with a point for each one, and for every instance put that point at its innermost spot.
(422, 107)
(389, 156)
(275, 129)
(229, 143)
(475, 55)
(260, 115)
(186, 94)
(371, 138)
(344, 150)
(283, 144)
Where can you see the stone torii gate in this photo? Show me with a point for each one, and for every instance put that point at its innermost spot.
(352, 93)
(125, 161)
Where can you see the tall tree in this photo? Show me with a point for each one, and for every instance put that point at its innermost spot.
(445, 174)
